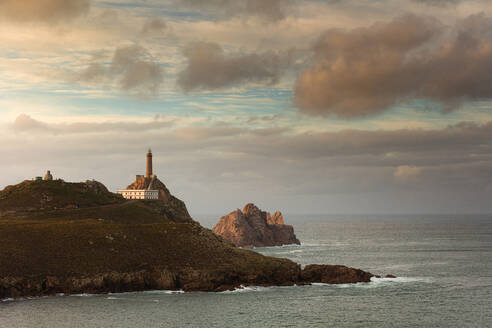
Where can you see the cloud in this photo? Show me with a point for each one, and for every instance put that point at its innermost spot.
(131, 68)
(208, 67)
(26, 124)
(366, 71)
(205, 133)
(94, 72)
(270, 10)
(212, 165)
(438, 2)
(46, 11)
(136, 74)
(155, 26)
(465, 142)
(405, 173)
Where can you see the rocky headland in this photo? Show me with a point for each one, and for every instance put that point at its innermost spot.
(253, 227)
(61, 237)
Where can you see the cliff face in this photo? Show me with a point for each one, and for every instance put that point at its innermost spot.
(171, 205)
(252, 227)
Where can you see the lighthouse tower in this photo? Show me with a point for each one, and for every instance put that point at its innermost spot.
(144, 186)
(149, 164)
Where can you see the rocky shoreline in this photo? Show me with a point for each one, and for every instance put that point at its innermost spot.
(186, 280)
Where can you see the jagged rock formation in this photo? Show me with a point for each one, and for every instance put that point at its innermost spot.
(151, 183)
(277, 218)
(252, 227)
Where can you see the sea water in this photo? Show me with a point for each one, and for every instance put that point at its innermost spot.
(443, 264)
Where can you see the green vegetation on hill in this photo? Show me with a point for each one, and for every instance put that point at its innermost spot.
(79, 237)
(60, 200)
(89, 247)
(32, 195)
(59, 237)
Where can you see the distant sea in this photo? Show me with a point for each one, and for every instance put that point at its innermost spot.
(443, 264)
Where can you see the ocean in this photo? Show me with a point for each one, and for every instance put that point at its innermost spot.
(443, 264)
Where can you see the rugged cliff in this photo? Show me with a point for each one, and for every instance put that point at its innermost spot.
(252, 227)
(174, 206)
(60, 237)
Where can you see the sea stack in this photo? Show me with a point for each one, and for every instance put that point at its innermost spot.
(253, 227)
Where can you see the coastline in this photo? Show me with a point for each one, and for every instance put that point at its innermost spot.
(184, 280)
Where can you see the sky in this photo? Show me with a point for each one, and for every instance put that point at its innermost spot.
(342, 107)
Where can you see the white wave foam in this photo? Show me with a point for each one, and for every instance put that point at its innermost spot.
(401, 279)
(156, 292)
(274, 247)
(20, 299)
(376, 282)
(243, 289)
(83, 295)
(329, 244)
(357, 284)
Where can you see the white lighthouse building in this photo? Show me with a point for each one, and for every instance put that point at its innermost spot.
(143, 186)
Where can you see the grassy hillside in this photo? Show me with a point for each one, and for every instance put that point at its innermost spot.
(59, 237)
(79, 237)
(88, 247)
(33, 195)
(60, 200)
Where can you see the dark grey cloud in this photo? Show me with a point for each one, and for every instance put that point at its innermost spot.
(209, 67)
(270, 10)
(143, 76)
(94, 72)
(46, 11)
(154, 27)
(398, 147)
(366, 71)
(438, 2)
(133, 70)
(460, 143)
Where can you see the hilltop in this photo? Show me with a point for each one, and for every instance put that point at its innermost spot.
(33, 195)
(60, 237)
(57, 199)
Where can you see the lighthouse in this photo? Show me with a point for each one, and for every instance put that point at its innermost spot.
(144, 186)
(149, 164)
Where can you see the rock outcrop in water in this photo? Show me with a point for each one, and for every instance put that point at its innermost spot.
(334, 274)
(252, 227)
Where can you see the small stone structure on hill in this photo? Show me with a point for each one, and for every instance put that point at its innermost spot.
(48, 176)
